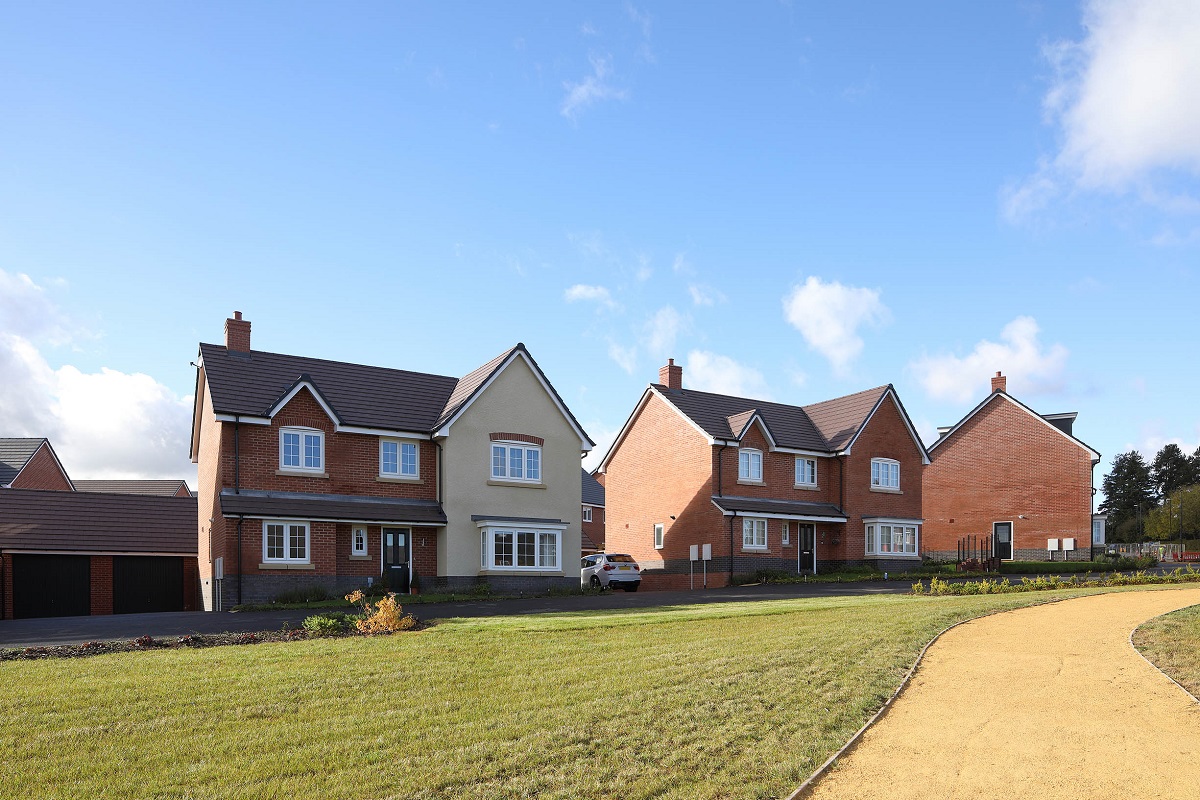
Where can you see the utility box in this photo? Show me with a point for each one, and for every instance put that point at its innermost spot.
(1052, 545)
(694, 552)
(1068, 544)
(707, 554)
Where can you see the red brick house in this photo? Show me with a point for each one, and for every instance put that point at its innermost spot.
(1006, 474)
(316, 473)
(31, 463)
(803, 489)
(593, 514)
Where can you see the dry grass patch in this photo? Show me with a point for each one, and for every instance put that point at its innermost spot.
(1172, 642)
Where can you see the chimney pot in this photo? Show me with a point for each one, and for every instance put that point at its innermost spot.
(999, 383)
(237, 333)
(671, 375)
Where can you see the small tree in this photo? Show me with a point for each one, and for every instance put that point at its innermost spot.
(1128, 497)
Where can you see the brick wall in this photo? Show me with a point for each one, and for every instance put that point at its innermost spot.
(102, 585)
(42, 472)
(594, 530)
(1002, 464)
(6, 601)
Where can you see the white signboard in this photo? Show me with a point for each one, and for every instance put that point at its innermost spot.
(1068, 544)
(694, 551)
(707, 552)
(1052, 544)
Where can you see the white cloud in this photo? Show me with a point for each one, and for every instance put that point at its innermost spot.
(662, 330)
(626, 357)
(682, 266)
(644, 270)
(105, 424)
(703, 295)
(828, 316)
(597, 294)
(592, 89)
(710, 372)
(603, 436)
(1029, 366)
(1126, 100)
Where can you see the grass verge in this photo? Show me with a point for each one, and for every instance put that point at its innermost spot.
(1172, 643)
(731, 700)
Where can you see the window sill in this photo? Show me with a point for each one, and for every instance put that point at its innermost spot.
(516, 484)
(885, 490)
(876, 556)
(284, 565)
(754, 549)
(808, 487)
(748, 482)
(398, 479)
(360, 558)
(537, 571)
(300, 473)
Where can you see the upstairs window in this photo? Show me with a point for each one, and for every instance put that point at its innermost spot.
(587, 513)
(885, 473)
(806, 472)
(301, 449)
(658, 535)
(517, 462)
(397, 459)
(750, 465)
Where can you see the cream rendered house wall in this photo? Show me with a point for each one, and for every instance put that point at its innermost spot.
(514, 402)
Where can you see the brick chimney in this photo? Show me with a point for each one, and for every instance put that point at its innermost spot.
(237, 333)
(671, 376)
(999, 384)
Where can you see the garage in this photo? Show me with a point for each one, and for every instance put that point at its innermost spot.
(78, 553)
(51, 586)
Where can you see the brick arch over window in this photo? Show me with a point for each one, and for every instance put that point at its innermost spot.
(518, 437)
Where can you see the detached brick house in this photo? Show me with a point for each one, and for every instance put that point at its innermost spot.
(1010, 475)
(766, 485)
(330, 474)
(593, 514)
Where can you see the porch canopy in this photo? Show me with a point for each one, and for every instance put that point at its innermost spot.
(732, 506)
(330, 507)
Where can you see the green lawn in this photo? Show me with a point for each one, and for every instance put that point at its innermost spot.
(716, 701)
(1172, 642)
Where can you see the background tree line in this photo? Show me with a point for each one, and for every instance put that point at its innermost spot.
(1149, 502)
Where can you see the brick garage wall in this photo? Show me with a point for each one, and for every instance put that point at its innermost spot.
(1001, 464)
(42, 472)
(885, 436)
(192, 600)
(6, 577)
(102, 585)
(663, 467)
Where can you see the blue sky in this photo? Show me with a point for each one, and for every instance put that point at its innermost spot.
(794, 200)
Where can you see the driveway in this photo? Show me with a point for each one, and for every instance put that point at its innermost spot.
(1045, 702)
(75, 630)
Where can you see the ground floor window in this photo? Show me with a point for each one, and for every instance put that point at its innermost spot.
(754, 534)
(884, 539)
(285, 541)
(512, 548)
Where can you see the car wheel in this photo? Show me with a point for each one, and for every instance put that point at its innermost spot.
(631, 587)
(595, 583)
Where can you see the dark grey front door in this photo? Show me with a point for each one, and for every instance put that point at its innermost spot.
(1002, 540)
(806, 544)
(395, 558)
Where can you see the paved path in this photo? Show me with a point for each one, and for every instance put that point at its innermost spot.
(74, 630)
(1045, 702)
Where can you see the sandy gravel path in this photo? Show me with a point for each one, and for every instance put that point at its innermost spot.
(1043, 702)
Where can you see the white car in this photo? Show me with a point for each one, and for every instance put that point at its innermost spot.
(610, 571)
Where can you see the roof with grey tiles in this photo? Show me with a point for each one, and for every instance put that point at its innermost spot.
(593, 491)
(14, 455)
(32, 519)
(827, 426)
(795, 508)
(151, 487)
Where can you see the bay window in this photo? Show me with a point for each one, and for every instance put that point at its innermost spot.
(892, 539)
(517, 549)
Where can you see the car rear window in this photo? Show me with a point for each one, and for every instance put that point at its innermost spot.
(619, 558)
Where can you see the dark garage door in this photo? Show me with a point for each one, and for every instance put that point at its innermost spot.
(147, 583)
(51, 586)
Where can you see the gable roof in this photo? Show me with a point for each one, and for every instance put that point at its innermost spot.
(41, 520)
(254, 386)
(1006, 396)
(15, 453)
(593, 490)
(827, 428)
(158, 488)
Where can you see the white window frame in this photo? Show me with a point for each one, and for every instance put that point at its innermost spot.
(658, 536)
(304, 434)
(289, 556)
(803, 460)
(746, 470)
(786, 536)
(506, 472)
(488, 549)
(355, 550)
(880, 480)
(587, 513)
(400, 472)
(751, 528)
(875, 539)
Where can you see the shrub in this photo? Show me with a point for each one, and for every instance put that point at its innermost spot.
(327, 624)
(385, 616)
(938, 587)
